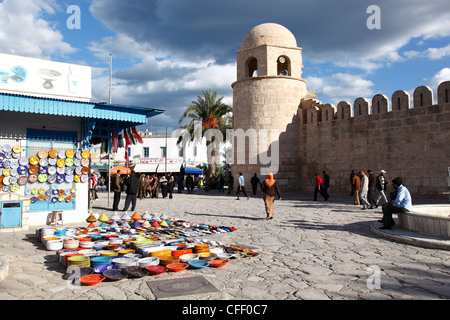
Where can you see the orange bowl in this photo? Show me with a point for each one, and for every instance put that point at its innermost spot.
(177, 267)
(178, 253)
(92, 279)
(218, 263)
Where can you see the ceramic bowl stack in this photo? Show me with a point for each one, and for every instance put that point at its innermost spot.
(164, 261)
(46, 233)
(149, 261)
(79, 261)
(199, 248)
(54, 245)
(100, 260)
(147, 249)
(115, 241)
(122, 263)
(62, 255)
(70, 243)
(186, 257)
(100, 245)
(86, 244)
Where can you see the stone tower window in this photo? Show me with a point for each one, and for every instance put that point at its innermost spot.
(284, 66)
(252, 67)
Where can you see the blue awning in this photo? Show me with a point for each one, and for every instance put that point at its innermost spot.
(130, 114)
(193, 170)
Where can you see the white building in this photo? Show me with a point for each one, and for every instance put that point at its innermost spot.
(161, 153)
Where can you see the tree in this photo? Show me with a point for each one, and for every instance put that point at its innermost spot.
(213, 114)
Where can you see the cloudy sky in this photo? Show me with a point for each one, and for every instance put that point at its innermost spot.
(166, 52)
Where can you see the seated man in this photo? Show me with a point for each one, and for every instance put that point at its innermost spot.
(401, 203)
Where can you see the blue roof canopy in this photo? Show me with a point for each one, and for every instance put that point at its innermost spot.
(129, 114)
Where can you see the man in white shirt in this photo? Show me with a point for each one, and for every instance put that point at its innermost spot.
(364, 190)
(402, 203)
(241, 186)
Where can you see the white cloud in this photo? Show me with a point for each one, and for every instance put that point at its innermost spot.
(25, 32)
(430, 53)
(439, 77)
(339, 87)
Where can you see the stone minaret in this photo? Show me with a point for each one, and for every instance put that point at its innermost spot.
(266, 96)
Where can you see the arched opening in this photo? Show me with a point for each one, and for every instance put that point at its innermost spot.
(252, 67)
(283, 66)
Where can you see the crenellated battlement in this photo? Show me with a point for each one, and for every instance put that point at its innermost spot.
(407, 141)
(313, 111)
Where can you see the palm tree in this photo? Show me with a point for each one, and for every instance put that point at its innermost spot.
(213, 114)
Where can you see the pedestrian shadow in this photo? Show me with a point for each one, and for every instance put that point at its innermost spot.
(361, 227)
(224, 216)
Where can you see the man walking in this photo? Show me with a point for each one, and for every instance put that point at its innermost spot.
(116, 183)
(364, 190)
(132, 183)
(318, 188)
(381, 185)
(254, 181)
(372, 187)
(241, 186)
(325, 185)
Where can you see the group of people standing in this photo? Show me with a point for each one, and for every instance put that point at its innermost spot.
(144, 186)
(368, 189)
(149, 186)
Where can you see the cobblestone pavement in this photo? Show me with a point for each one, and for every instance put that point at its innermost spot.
(310, 250)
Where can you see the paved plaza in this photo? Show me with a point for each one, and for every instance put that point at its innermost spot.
(310, 250)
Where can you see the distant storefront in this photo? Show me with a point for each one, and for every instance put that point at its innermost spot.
(47, 125)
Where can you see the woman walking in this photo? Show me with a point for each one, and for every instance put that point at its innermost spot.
(270, 189)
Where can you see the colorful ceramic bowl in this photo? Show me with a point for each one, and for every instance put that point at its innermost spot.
(115, 274)
(177, 267)
(198, 264)
(156, 270)
(92, 279)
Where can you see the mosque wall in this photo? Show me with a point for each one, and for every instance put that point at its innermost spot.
(404, 140)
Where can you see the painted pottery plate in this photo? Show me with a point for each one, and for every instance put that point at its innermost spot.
(53, 153)
(34, 160)
(51, 178)
(17, 149)
(85, 162)
(51, 170)
(43, 162)
(69, 162)
(22, 170)
(70, 153)
(42, 154)
(42, 170)
(61, 163)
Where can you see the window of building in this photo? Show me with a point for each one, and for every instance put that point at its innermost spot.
(163, 152)
(146, 152)
(252, 67)
(181, 152)
(284, 66)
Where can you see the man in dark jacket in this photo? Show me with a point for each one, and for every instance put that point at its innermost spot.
(132, 183)
(116, 185)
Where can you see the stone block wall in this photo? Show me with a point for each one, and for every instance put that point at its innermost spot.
(413, 143)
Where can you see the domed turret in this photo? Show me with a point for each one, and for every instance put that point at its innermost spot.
(269, 34)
